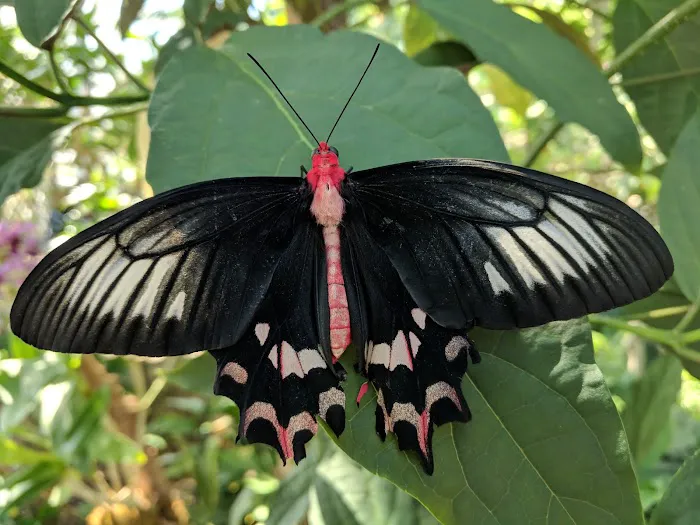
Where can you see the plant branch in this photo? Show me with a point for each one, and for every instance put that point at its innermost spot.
(336, 10)
(542, 141)
(651, 79)
(57, 72)
(29, 84)
(659, 30)
(90, 31)
(29, 112)
(689, 315)
(674, 341)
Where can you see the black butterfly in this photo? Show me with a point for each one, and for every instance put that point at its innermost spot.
(276, 276)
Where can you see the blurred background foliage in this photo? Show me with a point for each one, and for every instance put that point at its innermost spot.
(106, 440)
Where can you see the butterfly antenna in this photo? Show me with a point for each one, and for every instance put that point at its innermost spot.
(285, 98)
(353, 92)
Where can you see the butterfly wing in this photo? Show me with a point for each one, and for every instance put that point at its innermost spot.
(276, 373)
(489, 244)
(180, 272)
(415, 364)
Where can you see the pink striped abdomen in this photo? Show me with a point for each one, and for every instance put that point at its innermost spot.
(337, 299)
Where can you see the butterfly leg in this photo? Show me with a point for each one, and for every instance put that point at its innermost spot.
(349, 171)
(304, 171)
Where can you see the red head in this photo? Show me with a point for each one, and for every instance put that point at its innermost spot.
(324, 167)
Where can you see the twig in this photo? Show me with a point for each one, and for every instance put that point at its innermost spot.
(650, 79)
(57, 72)
(30, 84)
(659, 30)
(542, 141)
(90, 31)
(28, 112)
(336, 10)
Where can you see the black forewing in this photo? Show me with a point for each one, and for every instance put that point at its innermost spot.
(180, 272)
(485, 243)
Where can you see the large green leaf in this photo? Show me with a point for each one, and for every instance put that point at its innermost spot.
(545, 63)
(647, 413)
(41, 20)
(214, 115)
(679, 207)
(664, 81)
(681, 502)
(545, 445)
(25, 151)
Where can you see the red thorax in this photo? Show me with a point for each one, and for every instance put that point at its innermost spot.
(325, 177)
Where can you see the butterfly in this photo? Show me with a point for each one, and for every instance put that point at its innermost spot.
(276, 277)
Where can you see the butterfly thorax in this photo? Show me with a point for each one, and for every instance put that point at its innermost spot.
(327, 207)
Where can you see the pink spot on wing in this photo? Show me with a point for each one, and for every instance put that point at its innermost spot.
(362, 392)
(262, 330)
(400, 353)
(236, 372)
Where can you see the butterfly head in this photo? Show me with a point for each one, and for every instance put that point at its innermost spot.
(324, 156)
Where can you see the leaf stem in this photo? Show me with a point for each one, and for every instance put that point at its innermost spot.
(90, 31)
(659, 30)
(57, 72)
(689, 315)
(30, 84)
(672, 340)
(650, 79)
(29, 112)
(541, 142)
(336, 10)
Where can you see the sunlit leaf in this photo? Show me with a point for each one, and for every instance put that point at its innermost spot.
(41, 20)
(679, 208)
(545, 63)
(213, 115)
(664, 80)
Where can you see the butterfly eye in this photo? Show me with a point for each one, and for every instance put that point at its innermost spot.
(334, 150)
(316, 151)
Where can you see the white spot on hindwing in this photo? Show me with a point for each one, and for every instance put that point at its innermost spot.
(455, 346)
(311, 359)
(419, 317)
(272, 356)
(332, 396)
(381, 354)
(400, 353)
(262, 330)
(236, 372)
(290, 363)
(415, 343)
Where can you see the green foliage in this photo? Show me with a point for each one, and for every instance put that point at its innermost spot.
(192, 141)
(27, 148)
(562, 407)
(546, 64)
(681, 504)
(664, 82)
(679, 207)
(41, 20)
(98, 440)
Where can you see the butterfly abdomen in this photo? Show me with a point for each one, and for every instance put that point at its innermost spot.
(337, 298)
